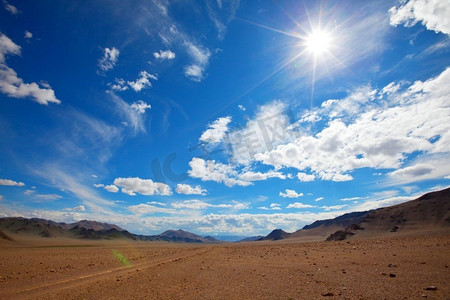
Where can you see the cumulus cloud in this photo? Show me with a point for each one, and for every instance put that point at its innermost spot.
(272, 206)
(142, 82)
(256, 176)
(111, 188)
(215, 171)
(13, 86)
(299, 205)
(305, 177)
(109, 59)
(190, 190)
(371, 129)
(79, 208)
(290, 194)
(98, 185)
(433, 14)
(140, 106)
(199, 205)
(268, 129)
(11, 182)
(164, 55)
(133, 185)
(216, 131)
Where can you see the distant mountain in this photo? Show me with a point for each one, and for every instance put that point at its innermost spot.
(275, 235)
(90, 230)
(96, 226)
(429, 213)
(185, 237)
(251, 239)
(34, 226)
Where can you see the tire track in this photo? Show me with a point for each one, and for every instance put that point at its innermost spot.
(58, 285)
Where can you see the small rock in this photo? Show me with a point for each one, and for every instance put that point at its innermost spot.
(329, 294)
(431, 288)
(52, 270)
(392, 266)
(392, 275)
(424, 295)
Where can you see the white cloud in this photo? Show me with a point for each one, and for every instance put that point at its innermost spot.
(111, 188)
(98, 185)
(29, 192)
(140, 106)
(433, 14)
(11, 8)
(424, 168)
(146, 209)
(447, 177)
(256, 176)
(195, 71)
(119, 85)
(299, 205)
(305, 177)
(49, 197)
(318, 199)
(290, 194)
(134, 118)
(11, 182)
(109, 59)
(94, 176)
(7, 46)
(241, 107)
(142, 82)
(133, 185)
(190, 190)
(157, 203)
(215, 171)
(78, 208)
(13, 86)
(374, 130)
(352, 199)
(216, 131)
(333, 207)
(200, 205)
(28, 35)
(268, 129)
(164, 55)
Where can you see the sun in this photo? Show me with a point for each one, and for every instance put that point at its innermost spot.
(318, 42)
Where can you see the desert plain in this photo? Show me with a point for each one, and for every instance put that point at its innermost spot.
(400, 267)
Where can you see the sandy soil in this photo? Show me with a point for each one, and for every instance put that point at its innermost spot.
(390, 268)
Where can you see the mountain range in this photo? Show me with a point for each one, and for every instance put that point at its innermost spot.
(428, 214)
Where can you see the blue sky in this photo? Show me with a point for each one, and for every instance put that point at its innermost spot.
(221, 117)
